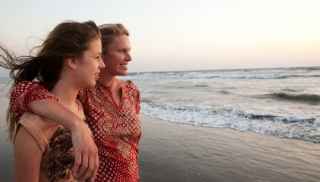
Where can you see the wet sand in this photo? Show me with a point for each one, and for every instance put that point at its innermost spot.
(176, 152)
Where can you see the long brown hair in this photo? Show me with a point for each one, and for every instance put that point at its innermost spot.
(67, 39)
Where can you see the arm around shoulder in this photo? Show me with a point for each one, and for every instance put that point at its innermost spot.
(32, 97)
(25, 92)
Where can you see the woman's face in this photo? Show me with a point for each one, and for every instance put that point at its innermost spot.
(118, 56)
(89, 64)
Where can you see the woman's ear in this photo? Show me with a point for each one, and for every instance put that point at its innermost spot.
(71, 62)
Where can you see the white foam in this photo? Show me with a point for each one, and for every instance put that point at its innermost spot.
(231, 118)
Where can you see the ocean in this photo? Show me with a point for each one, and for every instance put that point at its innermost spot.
(283, 102)
(188, 137)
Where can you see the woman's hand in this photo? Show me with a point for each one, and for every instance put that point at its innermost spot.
(86, 153)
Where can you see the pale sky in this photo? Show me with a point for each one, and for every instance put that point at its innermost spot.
(182, 34)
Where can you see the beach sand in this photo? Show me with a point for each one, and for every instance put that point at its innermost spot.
(176, 152)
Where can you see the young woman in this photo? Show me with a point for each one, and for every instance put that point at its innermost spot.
(112, 108)
(68, 61)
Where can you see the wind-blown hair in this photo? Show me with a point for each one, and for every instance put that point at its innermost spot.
(67, 39)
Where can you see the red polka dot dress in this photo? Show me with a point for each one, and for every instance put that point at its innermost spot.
(116, 128)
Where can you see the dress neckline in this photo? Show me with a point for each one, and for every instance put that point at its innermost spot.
(107, 91)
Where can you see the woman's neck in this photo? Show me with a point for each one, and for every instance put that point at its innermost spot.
(66, 92)
(108, 81)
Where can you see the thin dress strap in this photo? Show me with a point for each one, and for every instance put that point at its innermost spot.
(33, 125)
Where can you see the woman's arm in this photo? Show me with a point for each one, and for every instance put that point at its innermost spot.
(86, 152)
(27, 157)
(30, 96)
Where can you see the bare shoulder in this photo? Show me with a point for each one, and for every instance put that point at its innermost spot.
(25, 144)
(37, 122)
(39, 129)
(31, 127)
(27, 117)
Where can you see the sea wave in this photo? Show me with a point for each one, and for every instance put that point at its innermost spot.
(201, 85)
(264, 77)
(219, 75)
(275, 118)
(225, 92)
(297, 127)
(306, 98)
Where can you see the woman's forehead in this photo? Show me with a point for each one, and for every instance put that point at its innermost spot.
(121, 41)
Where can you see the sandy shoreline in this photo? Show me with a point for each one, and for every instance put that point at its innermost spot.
(175, 152)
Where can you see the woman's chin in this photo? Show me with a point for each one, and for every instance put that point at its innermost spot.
(123, 73)
(91, 84)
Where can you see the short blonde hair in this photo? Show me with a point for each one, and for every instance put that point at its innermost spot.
(109, 32)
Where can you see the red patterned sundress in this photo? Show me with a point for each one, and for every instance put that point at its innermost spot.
(116, 128)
